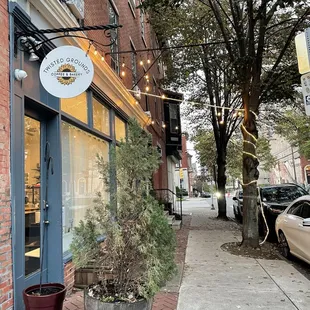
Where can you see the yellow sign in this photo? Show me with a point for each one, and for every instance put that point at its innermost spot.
(181, 173)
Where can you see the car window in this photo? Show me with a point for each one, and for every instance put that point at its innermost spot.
(282, 193)
(295, 208)
(305, 212)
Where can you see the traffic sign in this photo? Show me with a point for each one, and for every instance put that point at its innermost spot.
(181, 174)
(305, 83)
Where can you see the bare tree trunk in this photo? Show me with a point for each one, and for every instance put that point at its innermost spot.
(250, 176)
(221, 183)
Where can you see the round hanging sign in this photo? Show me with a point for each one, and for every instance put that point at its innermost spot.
(66, 72)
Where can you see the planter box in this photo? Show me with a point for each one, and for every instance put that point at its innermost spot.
(91, 303)
(88, 275)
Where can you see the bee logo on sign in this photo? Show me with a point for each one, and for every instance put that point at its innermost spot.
(66, 72)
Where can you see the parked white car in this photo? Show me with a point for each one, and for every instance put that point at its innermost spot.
(293, 229)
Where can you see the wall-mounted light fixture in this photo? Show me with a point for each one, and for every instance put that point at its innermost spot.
(20, 74)
(31, 45)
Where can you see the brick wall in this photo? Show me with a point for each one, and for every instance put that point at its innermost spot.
(96, 12)
(6, 293)
(69, 276)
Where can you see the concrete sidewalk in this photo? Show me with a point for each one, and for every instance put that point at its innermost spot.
(217, 280)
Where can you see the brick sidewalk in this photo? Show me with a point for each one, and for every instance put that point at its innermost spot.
(162, 300)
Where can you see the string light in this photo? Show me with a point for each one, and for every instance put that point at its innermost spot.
(153, 122)
(176, 127)
(141, 62)
(164, 125)
(95, 52)
(123, 73)
(148, 59)
(163, 97)
(218, 114)
(137, 102)
(146, 76)
(123, 64)
(147, 88)
(102, 58)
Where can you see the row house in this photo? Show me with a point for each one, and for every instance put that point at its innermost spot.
(48, 145)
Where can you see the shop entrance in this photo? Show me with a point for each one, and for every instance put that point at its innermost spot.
(36, 149)
(38, 243)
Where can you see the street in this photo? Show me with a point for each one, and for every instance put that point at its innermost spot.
(207, 203)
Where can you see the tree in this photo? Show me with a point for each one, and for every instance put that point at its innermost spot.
(295, 127)
(208, 74)
(258, 38)
(206, 150)
(139, 247)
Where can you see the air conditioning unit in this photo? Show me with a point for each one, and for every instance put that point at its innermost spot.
(76, 7)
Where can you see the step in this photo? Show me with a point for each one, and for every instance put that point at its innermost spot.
(166, 213)
(176, 225)
(171, 219)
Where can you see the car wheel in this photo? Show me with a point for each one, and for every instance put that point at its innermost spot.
(283, 244)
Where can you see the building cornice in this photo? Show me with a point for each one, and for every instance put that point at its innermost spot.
(105, 78)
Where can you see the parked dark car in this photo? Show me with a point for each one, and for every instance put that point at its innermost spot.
(238, 205)
(275, 199)
(205, 195)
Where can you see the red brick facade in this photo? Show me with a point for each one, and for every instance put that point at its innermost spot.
(69, 276)
(6, 292)
(96, 13)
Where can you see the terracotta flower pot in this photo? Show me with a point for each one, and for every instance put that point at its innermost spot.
(52, 298)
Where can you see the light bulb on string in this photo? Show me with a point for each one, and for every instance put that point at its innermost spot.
(147, 88)
(153, 122)
(176, 127)
(102, 58)
(148, 58)
(164, 125)
(163, 96)
(123, 64)
(218, 114)
(123, 73)
(222, 122)
(137, 102)
(146, 76)
(239, 113)
(141, 62)
(95, 52)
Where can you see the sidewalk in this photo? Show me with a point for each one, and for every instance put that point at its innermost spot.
(217, 280)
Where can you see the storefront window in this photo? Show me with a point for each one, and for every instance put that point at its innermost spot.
(120, 129)
(76, 107)
(81, 180)
(101, 117)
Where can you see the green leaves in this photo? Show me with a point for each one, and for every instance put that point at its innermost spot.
(140, 245)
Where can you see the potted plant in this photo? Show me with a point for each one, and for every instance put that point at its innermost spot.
(137, 256)
(48, 296)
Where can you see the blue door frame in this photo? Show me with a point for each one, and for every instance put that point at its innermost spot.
(50, 120)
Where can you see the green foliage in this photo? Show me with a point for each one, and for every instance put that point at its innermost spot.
(205, 148)
(294, 126)
(139, 246)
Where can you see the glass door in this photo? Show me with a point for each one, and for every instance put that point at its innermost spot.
(35, 179)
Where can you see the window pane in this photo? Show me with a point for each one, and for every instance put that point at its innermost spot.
(32, 195)
(120, 129)
(76, 107)
(80, 179)
(101, 117)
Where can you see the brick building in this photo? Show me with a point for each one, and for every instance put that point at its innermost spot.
(69, 131)
(6, 290)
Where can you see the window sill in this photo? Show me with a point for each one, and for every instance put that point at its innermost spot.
(131, 9)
